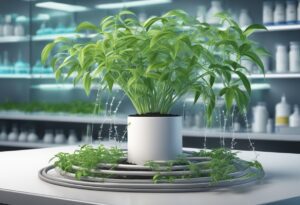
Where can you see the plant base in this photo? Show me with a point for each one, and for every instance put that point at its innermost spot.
(167, 177)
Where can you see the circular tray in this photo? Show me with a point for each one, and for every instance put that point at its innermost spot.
(126, 177)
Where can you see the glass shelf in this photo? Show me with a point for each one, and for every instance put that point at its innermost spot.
(275, 76)
(14, 39)
(209, 133)
(50, 37)
(62, 117)
(288, 27)
(26, 76)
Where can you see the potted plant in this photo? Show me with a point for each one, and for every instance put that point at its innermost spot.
(156, 63)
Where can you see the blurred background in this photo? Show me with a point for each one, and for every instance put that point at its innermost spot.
(38, 111)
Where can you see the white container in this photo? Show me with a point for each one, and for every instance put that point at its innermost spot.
(282, 59)
(260, 118)
(244, 18)
(294, 120)
(59, 137)
(1, 26)
(279, 13)
(32, 137)
(282, 113)
(201, 11)
(22, 136)
(72, 138)
(154, 138)
(13, 135)
(19, 30)
(142, 17)
(8, 29)
(291, 12)
(48, 137)
(236, 127)
(216, 7)
(3, 135)
(298, 11)
(268, 13)
(270, 126)
(294, 57)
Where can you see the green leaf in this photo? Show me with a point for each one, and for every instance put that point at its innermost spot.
(229, 95)
(245, 81)
(252, 28)
(126, 12)
(86, 26)
(87, 81)
(255, 59)
(46, 52)
(148, 23)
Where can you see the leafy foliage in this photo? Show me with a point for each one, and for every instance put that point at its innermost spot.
(72, 107)
(156, 63)
(87, 157)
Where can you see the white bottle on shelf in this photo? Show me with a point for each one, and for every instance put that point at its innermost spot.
(216, 7)
(1, 26)
(48, 137)
(260, 118)
(291, 12)
(268, 13)
(244, 18)
(19, 30)
(32, 136)
(294, 57)
(282, 59)
(298, 11)
(201, 11)
(142, 16)
(8, 29)
(59, 137)
(3, 135)
(13, 135)
(282, 112)
(294, 120)
(22, 136)
(72, 138)
(279, 13)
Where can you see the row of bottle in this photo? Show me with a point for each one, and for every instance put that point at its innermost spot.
(9, 28)
(288, 61)
(283, 117)
(208, 16)
(49, 138)
(281, 12)
(21, 66)
(45, 29)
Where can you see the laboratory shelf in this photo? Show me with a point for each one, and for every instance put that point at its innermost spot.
(193, 132)
(50, 37)
(275, 76)
(287, 27)
(28, 144)
(62, 117)
(27, 76)
(14, 39)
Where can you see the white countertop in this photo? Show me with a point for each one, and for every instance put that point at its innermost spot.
(19, 184)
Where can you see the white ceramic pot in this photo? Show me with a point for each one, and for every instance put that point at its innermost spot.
(154, 138)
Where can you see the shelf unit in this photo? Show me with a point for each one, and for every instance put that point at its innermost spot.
(27, 76)
(241, 135)
(287, 27)
(275, 76)
(63, 117)
(14, 39)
